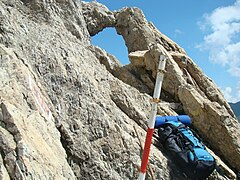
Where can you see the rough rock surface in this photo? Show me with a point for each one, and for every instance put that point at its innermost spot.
(65, 111)
(184, 82)
(97, 17)
(30, 142)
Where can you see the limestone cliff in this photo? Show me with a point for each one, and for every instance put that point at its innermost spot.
(68, 108)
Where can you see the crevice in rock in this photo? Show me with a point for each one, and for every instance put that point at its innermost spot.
(73, 157)
(65, 139)
(73, 29)
(2, 123)
(4, 161)
(206, 86)
(67, 143)
(25, 97)
(135, 77)
(125, 109)
(20, 170)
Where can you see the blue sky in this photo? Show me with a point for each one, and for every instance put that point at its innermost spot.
(208, 30)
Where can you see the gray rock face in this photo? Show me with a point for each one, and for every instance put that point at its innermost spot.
(67, 110)
(63, 114)
(30, 142)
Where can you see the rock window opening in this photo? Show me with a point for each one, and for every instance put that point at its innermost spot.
(111, 42)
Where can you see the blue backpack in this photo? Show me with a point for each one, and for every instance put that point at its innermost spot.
(184, 146)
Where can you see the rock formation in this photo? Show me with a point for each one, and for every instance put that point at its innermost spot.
(184, 82)
(68, 108)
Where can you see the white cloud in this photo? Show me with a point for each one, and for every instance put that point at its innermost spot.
(177, 32)
(231, 95)
(227, 93)
(223, 37)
